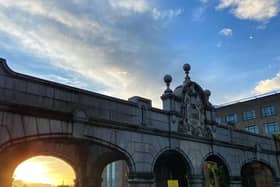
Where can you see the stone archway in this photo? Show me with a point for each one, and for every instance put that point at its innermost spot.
(171, 165)
(215, 172)
(102, 160)
(257, 174)
(87, 157)
(17, 153)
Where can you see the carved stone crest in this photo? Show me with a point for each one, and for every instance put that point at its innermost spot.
(194, 106)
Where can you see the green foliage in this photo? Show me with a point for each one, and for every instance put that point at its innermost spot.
(276, 136)
(217, 173)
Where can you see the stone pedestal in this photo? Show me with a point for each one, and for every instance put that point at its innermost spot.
(91, 182)
(277, 182)
(196, 181)
(141, 180)
(235, 182)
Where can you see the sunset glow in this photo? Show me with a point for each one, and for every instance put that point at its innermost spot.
(46, 170)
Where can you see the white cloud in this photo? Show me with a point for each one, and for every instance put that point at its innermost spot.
(251, 37)
(138, 6)
(226, 32)
(169, 14)
(268, 84)
(262, 26)
(259, 10)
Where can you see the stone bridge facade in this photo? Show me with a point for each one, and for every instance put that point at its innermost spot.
(90, 130)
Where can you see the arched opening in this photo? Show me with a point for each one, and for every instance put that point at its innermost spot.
(43, 171)
(171, 168)
(215, 172)
(257, 174)
(115, 174)
(110, 168)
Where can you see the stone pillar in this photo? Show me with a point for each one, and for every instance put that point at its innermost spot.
(277, 182)
(6, 182)
(91, 182)
(235, 182)
(196, 181)
(6, 177)
(141, 180)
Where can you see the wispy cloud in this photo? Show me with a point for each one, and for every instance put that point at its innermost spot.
(226, 32)
(169, 14)
(138, 6)
(258, 10)
(219, 44)
(116, 53)
(204, 1)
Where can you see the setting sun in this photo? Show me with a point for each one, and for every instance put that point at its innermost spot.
(45, 170)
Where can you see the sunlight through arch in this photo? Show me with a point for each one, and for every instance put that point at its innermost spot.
(47, 170)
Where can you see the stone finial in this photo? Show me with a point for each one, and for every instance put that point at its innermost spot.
(187, 68)
(2, 60)
(207, 93)
(167, 79)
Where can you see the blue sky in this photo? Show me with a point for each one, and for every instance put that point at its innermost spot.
(123, 48)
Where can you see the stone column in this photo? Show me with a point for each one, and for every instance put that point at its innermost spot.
(91, 182)
(141, 180)
(6, 177)
(6, 182)
(196, 181)
(235, 182)
(277, 182)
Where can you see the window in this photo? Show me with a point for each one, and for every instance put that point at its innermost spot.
(231, 118)
(271, 128)
(218, 120)
(268, 111)
(253, 129)
(248, 115)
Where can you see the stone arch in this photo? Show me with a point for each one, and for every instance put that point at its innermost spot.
(101, 142)
(177, 149)
(215, 170)
(257, 173)
(129, 159)
(221, 157)
(18, 152)
(16, 146)
(171, 164)
(265, 162)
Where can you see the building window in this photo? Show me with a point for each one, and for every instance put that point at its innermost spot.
(248, 115)
(114, 174)
(252, 129)
(231, 118)
(271, 128)
(268, 111)
(108, 175)
(218, 120)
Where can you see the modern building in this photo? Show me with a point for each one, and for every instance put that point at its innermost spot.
(259, 114)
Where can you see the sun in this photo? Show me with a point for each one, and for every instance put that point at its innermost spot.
(44, 170)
